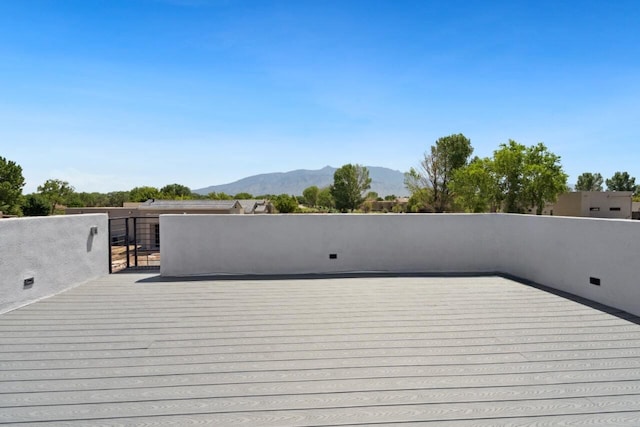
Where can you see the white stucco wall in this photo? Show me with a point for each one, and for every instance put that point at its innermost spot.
(558, 252)
(58, 252)
(290, 244)
(563, 253)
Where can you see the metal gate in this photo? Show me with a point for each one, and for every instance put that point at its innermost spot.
(134, 243)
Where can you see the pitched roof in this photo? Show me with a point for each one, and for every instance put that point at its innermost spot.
(251, 205)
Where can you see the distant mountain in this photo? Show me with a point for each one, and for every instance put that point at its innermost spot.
(384, 181)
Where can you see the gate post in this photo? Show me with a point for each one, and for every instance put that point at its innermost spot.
(126, 239)
(110, 242)
(135, 240)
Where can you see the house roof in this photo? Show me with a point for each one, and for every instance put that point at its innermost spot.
(252, 205)
(190, 204)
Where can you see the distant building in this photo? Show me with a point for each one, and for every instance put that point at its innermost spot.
(635, 210)
(154, 207)
(143, 223)
(592, 204)
(256, 206)
(400, 203)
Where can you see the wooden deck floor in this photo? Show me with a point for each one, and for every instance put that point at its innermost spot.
(482, 351)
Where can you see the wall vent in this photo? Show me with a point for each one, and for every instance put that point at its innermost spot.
(594, 281)
(333, 256)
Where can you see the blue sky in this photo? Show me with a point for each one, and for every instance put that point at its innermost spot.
(114, 94)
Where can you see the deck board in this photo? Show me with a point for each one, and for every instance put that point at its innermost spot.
(451, 351)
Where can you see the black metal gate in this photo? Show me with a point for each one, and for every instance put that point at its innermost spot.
(134, 243)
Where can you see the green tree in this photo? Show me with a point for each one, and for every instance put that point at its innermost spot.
(349, 184)
(142, 194)
(543, 177)
(175, 192)
(85, 199)
(117, 198)
(390, 197)
(56, 192)
(437, 168)
(310, 195)
(243, 196)
(419, 202)
(621, 181)
(35, 205)
(589, 182)
(508, 164)
(219, 196)
(516, 178)
(372, 195)
(325, 199)
(11, 184)
(476, 186)
(285, 203)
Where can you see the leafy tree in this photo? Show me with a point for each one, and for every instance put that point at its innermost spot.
(35, 205)
(398, 208)
(437, 168)
(243, 196)
(310, 195)
(117, 198)
(589, 182)
(390, 197)
(325, 199)
(76, 200)
(175, 192)
(87, 200)
(219, 196)
(516, 178)
(419, 202)
(285, 203)
(544, 178)
(621, 181)
(11, 183)
(142, 194)
(372, 195)
(56, 192)
(349, 183)
(508, 164)
(476, 186)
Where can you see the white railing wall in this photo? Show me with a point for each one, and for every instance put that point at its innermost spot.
(40, 257)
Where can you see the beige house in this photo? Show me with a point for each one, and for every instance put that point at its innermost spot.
(593, 204)
(635, 210)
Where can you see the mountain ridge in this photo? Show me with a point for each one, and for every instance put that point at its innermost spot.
(384, 181)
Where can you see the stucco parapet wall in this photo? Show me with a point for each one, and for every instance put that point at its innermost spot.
(564, 253)
(57, 252)
(298, 244)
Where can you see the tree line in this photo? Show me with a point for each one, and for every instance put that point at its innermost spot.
(56, 193)
(515, 179)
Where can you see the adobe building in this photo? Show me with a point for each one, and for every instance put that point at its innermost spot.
(592, 204)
